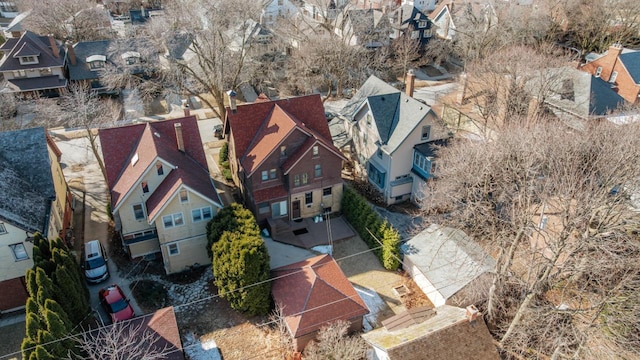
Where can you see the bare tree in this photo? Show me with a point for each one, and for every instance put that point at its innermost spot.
(221, 34)
(121, 340)
(75, 20)
(333, 342)
(8, 111)
(285, 340)
(554, 207)
(407, 53)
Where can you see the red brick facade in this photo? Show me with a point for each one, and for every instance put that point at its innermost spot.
(609, 63)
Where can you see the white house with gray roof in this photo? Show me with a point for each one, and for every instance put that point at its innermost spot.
(449, 266)
(384, 126)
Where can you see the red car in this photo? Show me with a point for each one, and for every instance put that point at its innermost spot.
(116, 303)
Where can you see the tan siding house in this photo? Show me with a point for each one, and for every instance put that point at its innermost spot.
(161, 192)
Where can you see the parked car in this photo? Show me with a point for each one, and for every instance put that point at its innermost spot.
(95, 263)
(116, 303)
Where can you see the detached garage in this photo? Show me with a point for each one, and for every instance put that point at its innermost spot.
(448, 266)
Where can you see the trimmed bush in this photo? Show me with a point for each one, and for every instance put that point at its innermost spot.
(376, 232)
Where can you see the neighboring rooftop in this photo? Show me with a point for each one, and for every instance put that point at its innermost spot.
(314, 292)
(446, 333)
(26, 183)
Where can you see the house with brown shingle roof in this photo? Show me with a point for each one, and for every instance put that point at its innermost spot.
(313, 293)
(33, 64)
(161, 193)
(282, 158)
(446, 332)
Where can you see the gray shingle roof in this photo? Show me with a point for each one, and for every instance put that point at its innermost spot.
(603, 99)
(448, 258)
(395, 113)
(37, 43)
(26, 183)
(631, 61)
(39, 83)
(82, 50)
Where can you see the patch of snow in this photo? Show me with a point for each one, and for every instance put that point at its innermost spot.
(201, 349)
(375, 304)
(323, 249)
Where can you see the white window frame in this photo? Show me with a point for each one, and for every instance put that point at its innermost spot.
(200, 214)
(144, 213)
(598, 71)
(273, 173)
(173, 218)
(422, 24)
(315, 150)
(614, 76)
(280, 205)
(175, 251)
(15, 254)
(186, 199)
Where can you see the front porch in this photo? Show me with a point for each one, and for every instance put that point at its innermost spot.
(306, 233)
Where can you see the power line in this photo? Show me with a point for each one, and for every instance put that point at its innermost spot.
(68, 337)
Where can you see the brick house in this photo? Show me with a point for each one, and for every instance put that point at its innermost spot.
(35, 198)
(161, 193)
(619, 67)
(311, 294)
(282, 158)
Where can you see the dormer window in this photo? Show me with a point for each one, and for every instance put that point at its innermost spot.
(598, 71)
(131, 57)
(96, 61)
(422, 24)
(28, 60)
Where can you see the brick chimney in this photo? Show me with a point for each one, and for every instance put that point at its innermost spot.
(472, 313)
(411, 83)
(54, 46)
(232, 100)
(179, 139)
(71, 54)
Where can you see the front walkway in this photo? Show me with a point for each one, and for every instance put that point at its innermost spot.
(306, 233)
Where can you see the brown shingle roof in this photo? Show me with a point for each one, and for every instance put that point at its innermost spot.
(249, 120)
(313, 293)
(151, 142)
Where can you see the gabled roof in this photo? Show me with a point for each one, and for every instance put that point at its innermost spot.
(409, 15)
(446, 335)
(26, 192)
(258, 128)
(314, 292)
(159, 331)
(395, 114)
(29, 43)
(631, 61)
(448, 258)
(143, 145)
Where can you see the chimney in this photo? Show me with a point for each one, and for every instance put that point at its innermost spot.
(411, 82)
(232, 100)
(463, 88)
(71, 54)
(615, 49)
(54, 47)
(186, 108)
(179, 138)
(472, 313)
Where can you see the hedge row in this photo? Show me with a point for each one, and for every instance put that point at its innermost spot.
(375, 231)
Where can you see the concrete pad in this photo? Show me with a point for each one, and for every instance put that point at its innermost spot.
(283, 254)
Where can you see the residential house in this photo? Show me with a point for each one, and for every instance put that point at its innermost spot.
(161, 193)
(385, 125)
(446, 332)
(282, 159)
(87, 62)
(272, 10)
(8, 13)
(33, 64)
(35, 198)
(410, 20)
(620, 68)
(578, 96)
(322, 10)
(448, 266)
(313, 293)
(157, 332)
(442, 19)
(368, 28)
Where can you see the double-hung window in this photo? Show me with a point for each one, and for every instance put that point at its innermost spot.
(201, 214)
(172, 220)
(19, 251)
